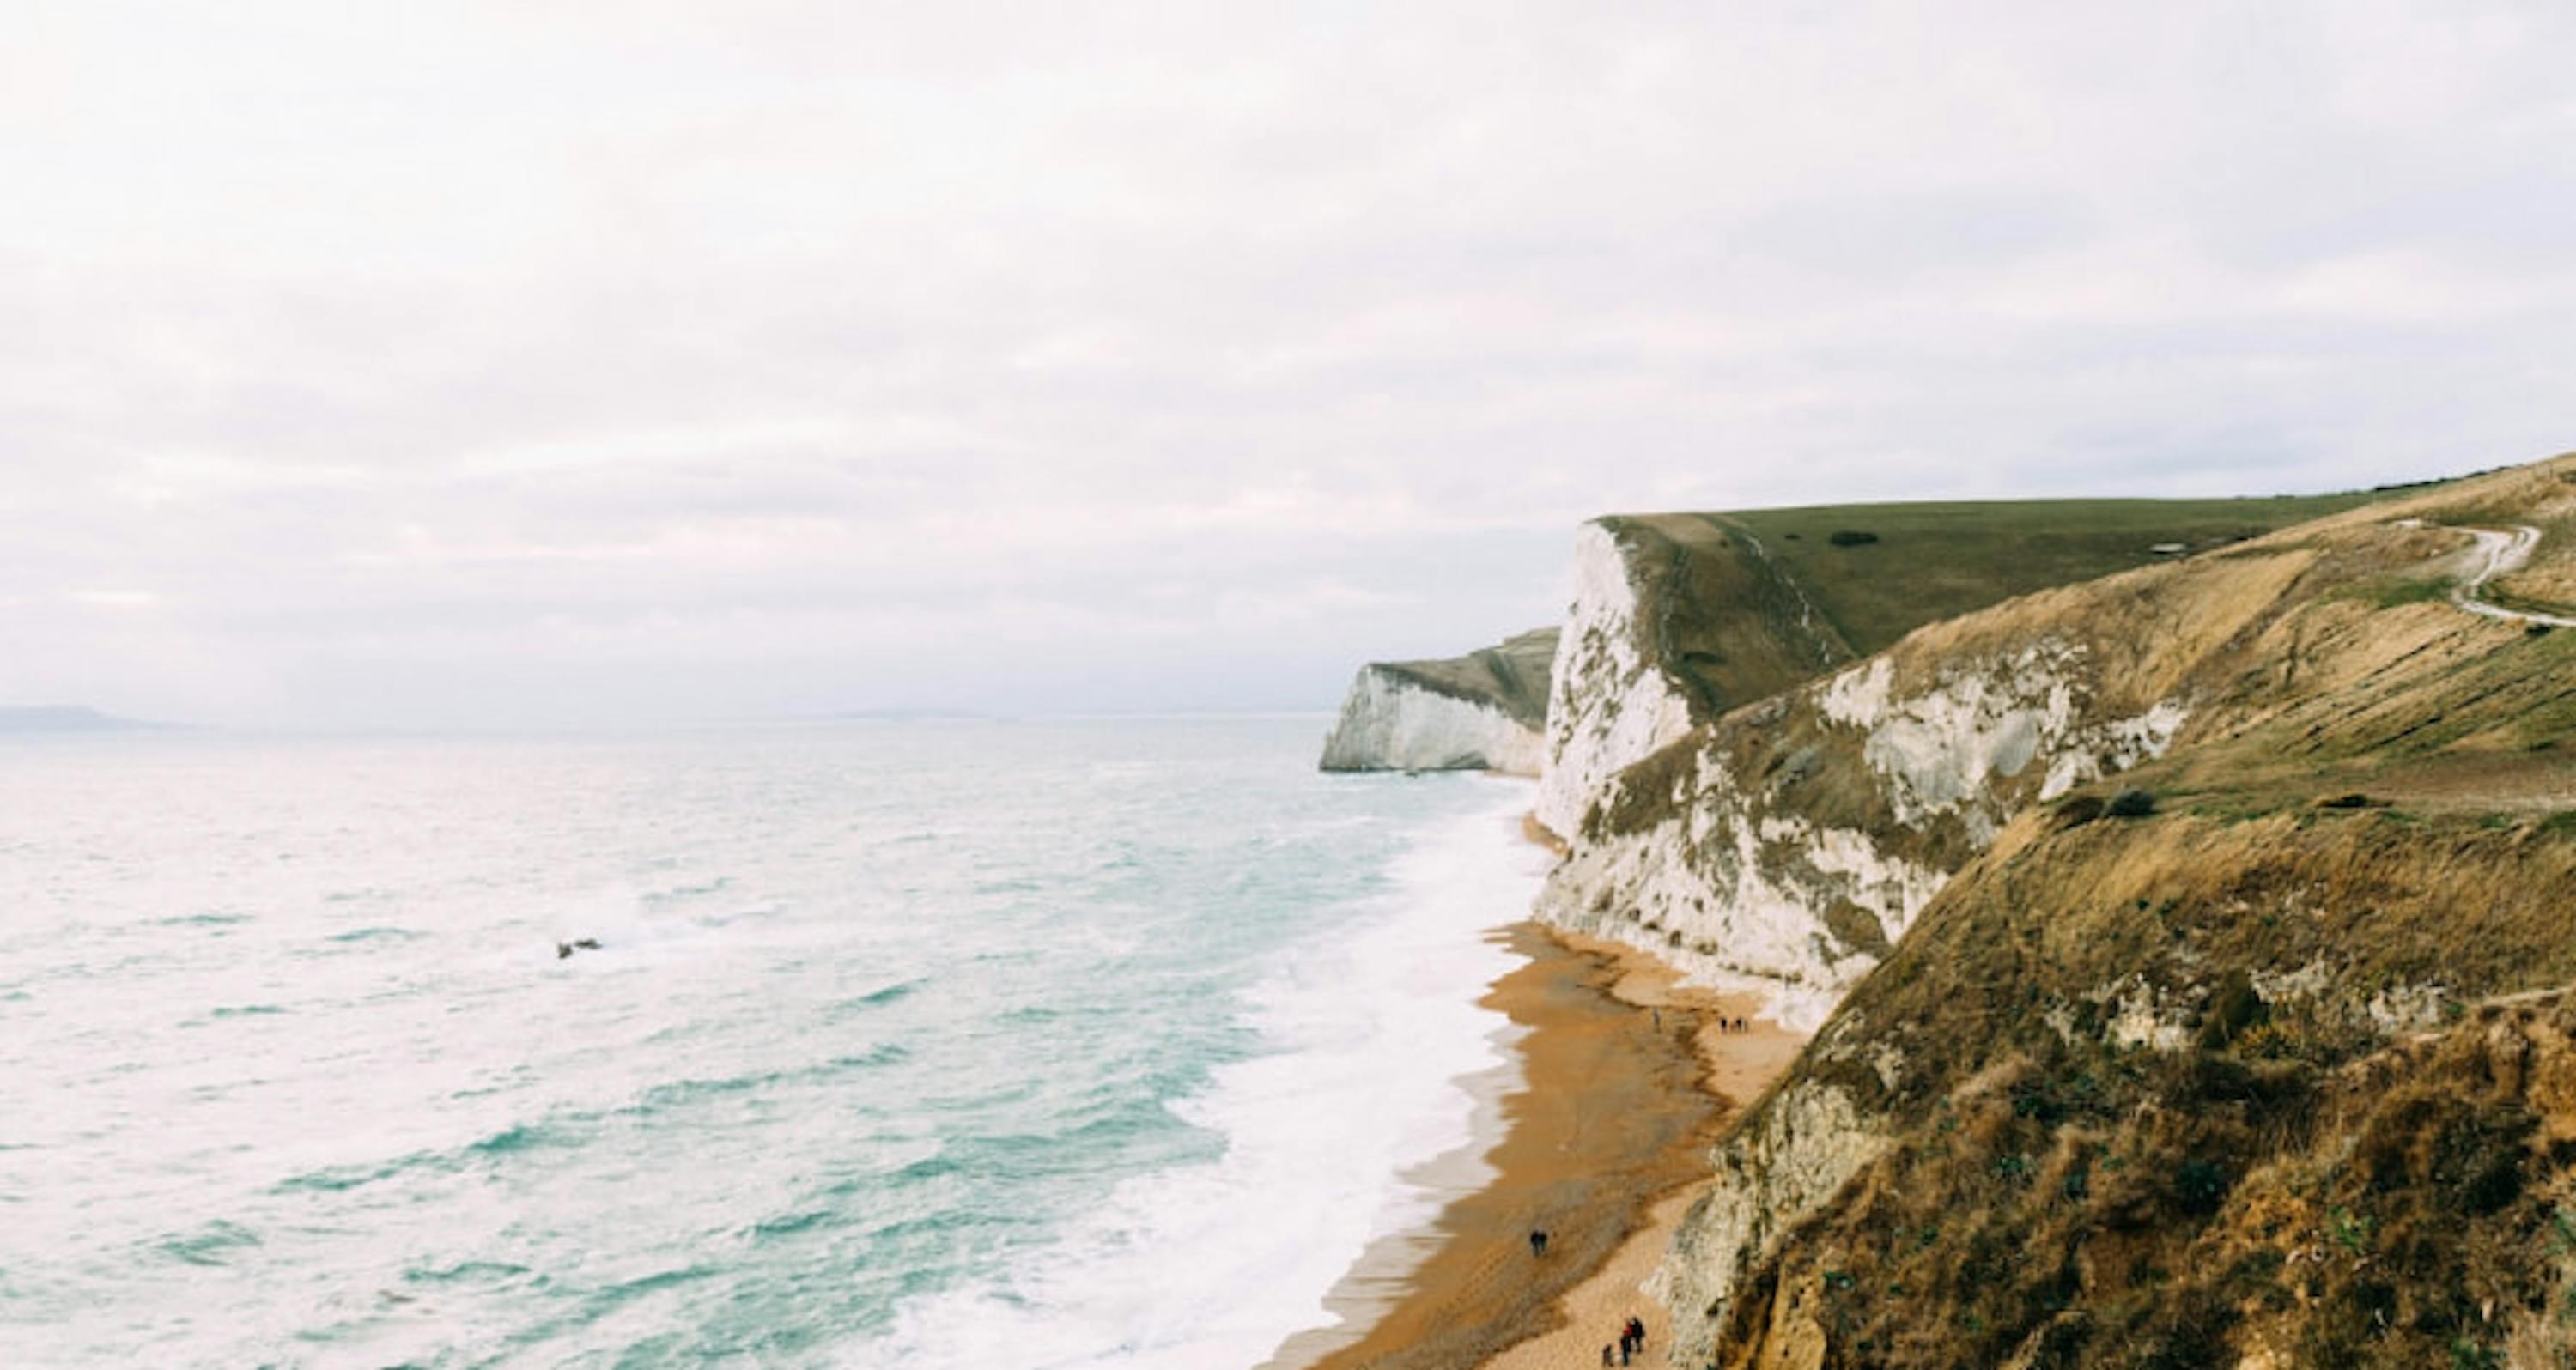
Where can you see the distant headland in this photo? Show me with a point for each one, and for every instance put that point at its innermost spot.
(69, 718)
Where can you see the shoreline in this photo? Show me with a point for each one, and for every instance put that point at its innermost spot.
(1625, 1082)
(1734, 1069)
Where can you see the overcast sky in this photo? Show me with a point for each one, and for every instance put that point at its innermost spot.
(551, 362)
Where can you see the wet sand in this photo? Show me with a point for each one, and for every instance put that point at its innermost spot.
(1735, 1067)
(1626, 1080)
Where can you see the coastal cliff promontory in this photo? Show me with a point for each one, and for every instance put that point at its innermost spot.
(1680, 619)
(2262, 1055)
(1673, 618)
(1482, 711)
(2176, 893)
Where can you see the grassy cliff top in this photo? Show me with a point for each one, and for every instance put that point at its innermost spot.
(1937, 561)
(1745, 604)
(2275, 1065)
(1513, 675)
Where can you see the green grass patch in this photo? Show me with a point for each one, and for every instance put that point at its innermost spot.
(2393, 592)
(1939, 560)
(2526, 604)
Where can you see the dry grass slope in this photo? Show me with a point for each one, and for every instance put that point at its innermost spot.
(2306, 1172)
(1928, 562)
(1741, 606)
(2279, 1074)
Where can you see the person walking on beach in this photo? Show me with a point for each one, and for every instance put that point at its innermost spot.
(1636, 1335)
(1605, 1353)
(1538, 1242)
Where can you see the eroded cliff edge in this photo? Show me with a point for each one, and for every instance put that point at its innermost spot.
(1482, 711)
(1678, 619)
(2269, 1069)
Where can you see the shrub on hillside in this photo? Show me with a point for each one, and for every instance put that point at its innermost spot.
(2131, 803)
(2079, 810)
(2234, 1008)
(2198, 1186)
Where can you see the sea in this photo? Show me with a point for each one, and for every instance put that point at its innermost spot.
(1078, 1043)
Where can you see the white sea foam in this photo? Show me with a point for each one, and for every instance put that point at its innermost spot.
(878, 1013)
(1369, 1042)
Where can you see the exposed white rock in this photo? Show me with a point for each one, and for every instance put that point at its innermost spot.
(1887, 1061)
(2123, 743)
(1391, 723)
(2407, 1008)
(1742, 889)
(2137, 1014)
(2301, 982)
(1808, 1142)
(1940, 750)
(1858, 697)
(1609, 704)
(1735, 895)
(1889, 887)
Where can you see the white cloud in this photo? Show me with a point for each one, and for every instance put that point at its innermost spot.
(116, 599)
(492, 360)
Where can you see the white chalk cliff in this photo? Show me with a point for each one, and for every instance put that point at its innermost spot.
(1482, 711)
(1393, 722)
(1610, 701)
(1786, 847)
(1749, 790)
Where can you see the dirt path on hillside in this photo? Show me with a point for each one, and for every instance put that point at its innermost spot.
(2496, 553)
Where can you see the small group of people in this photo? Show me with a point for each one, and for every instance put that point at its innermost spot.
(1632, 1336)
(1735, 1025)
(1632, 1339)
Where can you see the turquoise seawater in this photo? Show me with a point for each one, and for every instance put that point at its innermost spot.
(991, 1044)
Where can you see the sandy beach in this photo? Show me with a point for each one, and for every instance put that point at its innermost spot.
(1626, 1079)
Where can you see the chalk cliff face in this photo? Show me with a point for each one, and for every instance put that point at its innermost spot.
(1676, 619)
(1784, 845)
(2275, 1067)
(2265, 1073)
(1391, 722)
(1680, 619)
(1788, 845)
(1610, 700)
(1742, 789)
(1482, 711)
